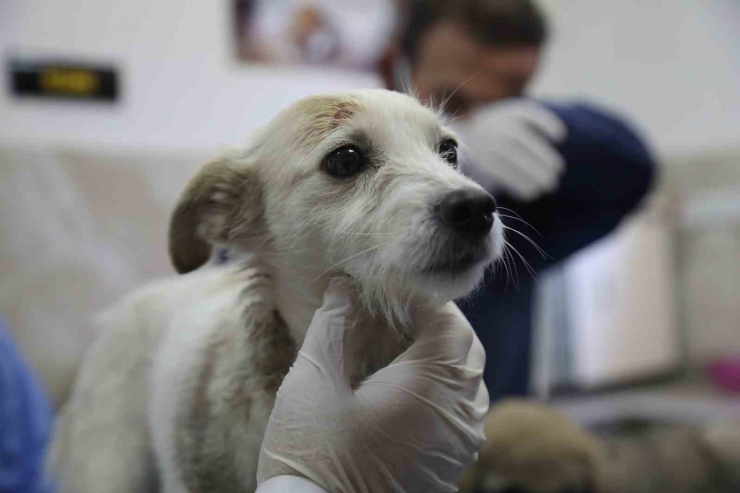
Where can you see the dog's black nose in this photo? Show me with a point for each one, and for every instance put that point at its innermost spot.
(469, 212)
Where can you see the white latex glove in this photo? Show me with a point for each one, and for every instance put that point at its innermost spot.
(511, 146)
(411, 427)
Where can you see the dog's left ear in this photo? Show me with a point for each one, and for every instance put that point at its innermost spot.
(222, 204)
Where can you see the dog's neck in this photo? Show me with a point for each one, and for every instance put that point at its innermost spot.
(297, 298)
(372, 341)
(298, 291)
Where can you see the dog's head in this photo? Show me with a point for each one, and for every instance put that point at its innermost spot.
(364, 183)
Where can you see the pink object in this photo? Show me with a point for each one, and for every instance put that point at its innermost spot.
(725, 372)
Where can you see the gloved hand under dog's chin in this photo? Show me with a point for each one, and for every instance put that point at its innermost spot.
(411, 426)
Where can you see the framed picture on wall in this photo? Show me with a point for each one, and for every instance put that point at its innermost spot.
(350, 34)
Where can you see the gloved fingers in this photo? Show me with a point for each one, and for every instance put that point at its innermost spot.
(476, 357)
(540, 118)
(517, 159)
(482, 401)
(476, 165)
(482, 166)
(445, 362)
(339, 297)
(534, 158)
(538, 151)
(442, 335)
(324, 345)
(525, 168)
(475, 412)
(439, 378)
(452, 390)
(504, 173)
(451, 407)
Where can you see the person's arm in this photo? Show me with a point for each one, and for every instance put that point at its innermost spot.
(608, 171)
(572, 172)
(609, 160)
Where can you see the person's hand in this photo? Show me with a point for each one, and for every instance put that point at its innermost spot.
(511, 146)
(410, 427)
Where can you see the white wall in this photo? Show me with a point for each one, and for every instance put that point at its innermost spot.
(181, 87)
(706, 191)
(673, 65)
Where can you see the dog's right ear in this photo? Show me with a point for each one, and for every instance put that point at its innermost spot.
(222, 204)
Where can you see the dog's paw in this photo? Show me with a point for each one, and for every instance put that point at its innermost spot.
(534, 449)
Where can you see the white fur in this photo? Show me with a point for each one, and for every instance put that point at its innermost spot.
(170, 388)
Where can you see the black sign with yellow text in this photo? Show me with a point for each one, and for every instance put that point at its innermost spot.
(64, 80)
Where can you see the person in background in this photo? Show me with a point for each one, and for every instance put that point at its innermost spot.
(563, 174)
(25, 423)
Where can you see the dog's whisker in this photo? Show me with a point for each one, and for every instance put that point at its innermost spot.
(521, 221)
(531, 271)
(544, 254)
(510, 210)
(505, 268)
(350, 258)
(510, 249)
(511, 267)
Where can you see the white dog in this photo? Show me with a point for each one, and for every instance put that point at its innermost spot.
(178, 388)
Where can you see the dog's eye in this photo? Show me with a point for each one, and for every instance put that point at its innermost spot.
(345, 161)
(448, 151)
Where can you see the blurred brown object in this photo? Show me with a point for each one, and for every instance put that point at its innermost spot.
(535, 449)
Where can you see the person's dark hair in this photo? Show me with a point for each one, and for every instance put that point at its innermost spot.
(490, 22)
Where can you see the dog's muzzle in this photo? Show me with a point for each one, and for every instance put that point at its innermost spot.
(465, 219)
(468, 213)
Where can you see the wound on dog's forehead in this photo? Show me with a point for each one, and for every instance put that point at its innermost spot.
(345, 112)
(326, 113)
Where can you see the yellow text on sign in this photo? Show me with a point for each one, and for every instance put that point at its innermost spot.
(69, 81)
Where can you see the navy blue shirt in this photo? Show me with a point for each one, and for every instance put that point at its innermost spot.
(609, 170)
